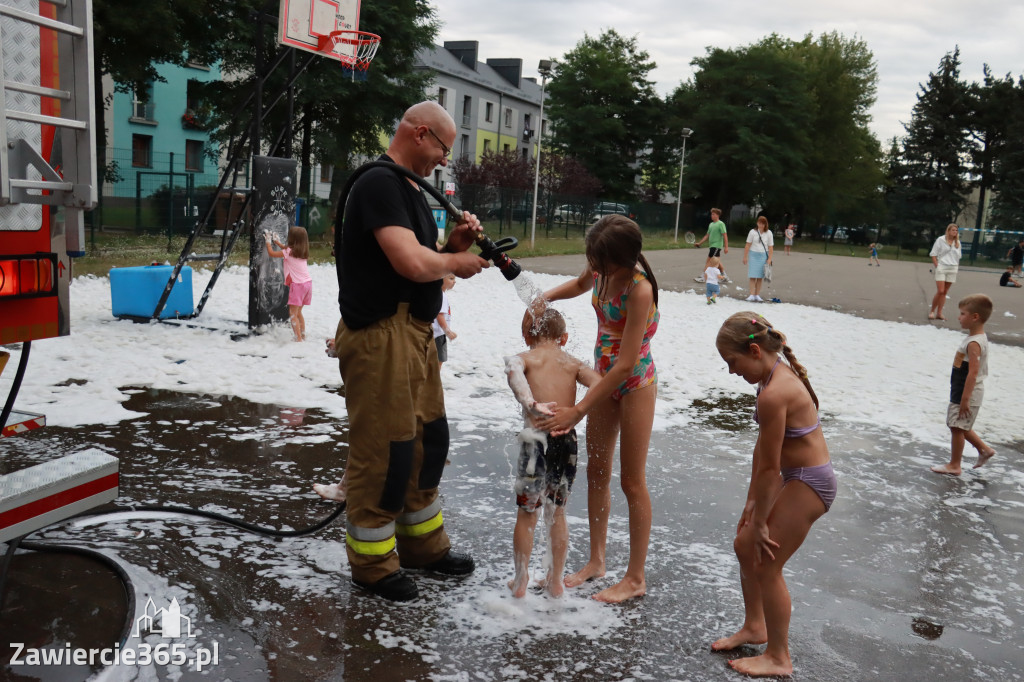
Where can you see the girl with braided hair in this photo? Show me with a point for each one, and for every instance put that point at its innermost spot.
(791, 485)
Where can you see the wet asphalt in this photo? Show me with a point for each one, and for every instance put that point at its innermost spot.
(910, 576)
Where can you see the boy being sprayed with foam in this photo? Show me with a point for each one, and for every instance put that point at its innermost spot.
(541, 379)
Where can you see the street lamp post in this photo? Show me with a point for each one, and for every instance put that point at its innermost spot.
(544, 68)
(679, 194)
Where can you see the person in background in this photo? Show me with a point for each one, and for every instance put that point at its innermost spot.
(1006, 279)
(945, 255)
(718, 242)
(757, 253)
(441, 325)
(296, 275)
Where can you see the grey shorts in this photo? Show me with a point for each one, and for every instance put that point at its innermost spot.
(442, 347)
(954, 421)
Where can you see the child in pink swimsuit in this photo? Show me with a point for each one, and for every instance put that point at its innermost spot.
(621, 405)
(791, 486)
(296, 275)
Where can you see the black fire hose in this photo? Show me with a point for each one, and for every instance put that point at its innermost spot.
(490, 250)
(16, 386)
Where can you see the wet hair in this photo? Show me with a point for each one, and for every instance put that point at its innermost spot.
(717, 211)
(977, 303)
(615, 240)
(762, 221)
(542, 324)
(744, 329)
(298, 241)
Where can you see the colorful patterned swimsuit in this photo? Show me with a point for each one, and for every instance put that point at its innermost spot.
(611, 321)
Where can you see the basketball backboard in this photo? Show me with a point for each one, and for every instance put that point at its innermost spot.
(302, 23)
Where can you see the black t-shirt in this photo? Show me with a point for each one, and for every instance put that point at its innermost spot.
(1004, 279)
(369, 289)
(1017, 256)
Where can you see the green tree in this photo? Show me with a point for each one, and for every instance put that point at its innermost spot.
(930, 187)
(750, 109)
(998, 128)
(844, 162)
(600, 107)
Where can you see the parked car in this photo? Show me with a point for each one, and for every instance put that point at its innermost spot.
(568, 213)
(609, 208)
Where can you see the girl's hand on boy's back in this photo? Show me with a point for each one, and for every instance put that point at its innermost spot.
(562, 421)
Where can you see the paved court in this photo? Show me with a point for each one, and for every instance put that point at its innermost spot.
(897, 290)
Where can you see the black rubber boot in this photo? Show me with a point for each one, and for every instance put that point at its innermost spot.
(452, 563)
(395, 587)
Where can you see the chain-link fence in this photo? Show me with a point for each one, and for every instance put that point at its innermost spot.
(565, 215)
(167, 193)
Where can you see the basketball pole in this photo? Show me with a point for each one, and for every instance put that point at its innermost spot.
(679, 193)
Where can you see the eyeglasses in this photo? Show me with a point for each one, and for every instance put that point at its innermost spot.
(445, 148)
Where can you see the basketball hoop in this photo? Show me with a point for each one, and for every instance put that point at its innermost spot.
(355, 49)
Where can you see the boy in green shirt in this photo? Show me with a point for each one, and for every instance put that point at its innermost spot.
(718, 243)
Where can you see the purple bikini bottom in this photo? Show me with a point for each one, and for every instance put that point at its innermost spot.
(821, 478)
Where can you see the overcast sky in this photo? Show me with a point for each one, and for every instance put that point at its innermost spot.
(907, 37)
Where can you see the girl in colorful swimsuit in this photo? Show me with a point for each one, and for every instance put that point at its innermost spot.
(624, 294)
(792, 484)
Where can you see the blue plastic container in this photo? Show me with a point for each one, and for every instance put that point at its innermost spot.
(134, 292)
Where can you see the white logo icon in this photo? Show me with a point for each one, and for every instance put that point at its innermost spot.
(165, 622)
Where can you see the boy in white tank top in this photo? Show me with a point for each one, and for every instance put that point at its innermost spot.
(966, 384)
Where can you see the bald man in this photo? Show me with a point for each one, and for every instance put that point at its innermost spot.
(389, 291)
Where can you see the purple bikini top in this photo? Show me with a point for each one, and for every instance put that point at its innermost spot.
(798, 432)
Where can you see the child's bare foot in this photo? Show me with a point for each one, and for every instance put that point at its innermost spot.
(743, 636)
(334, 492)
(627, 588)
(589, 572)
(554, 587)
(331, 353)
(518, 585)
(984, 457)
(762, 666)
(947, 469)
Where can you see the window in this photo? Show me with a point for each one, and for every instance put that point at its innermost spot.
(142, 103)
(525, 151)
(464, 149)
(142, 151)
(505, 147)
(467, 110)
(508, 117)
(487, 145)
(194, 155)
(325, 172)
(192, 100)
(442, 97)
(489, 112)
(437, 179)
(526, 123)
